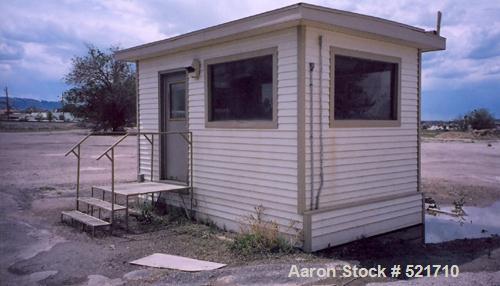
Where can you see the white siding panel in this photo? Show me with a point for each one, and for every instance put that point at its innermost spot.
(339, 226)
(355, 158)
(235, 170)
(369, 162)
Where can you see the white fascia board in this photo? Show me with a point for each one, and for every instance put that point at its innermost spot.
(366, 26)
(373, 27)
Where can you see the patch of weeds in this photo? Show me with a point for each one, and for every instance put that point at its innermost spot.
(158, 215)
(259, 236)
(172, 216)
(212, 226)
(430, 133)
(146, 213)
(459, 206)
(200, 229)
(196, 230)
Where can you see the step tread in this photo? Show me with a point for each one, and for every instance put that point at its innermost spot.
(100, 203)
(85, 218)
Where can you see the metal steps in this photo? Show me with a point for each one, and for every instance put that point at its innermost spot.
(105, 205)
(124, 191)
(89, 209)
(85, 219)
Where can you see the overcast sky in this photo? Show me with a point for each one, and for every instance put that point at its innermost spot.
(38, 39)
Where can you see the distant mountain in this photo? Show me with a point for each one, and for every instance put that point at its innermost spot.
(17, 103)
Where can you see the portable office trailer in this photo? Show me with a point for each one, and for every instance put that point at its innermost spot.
(311, 112)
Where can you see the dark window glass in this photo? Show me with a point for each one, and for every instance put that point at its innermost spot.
(242, 90)
(177, 100)
(365, 89)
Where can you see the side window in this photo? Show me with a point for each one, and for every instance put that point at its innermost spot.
(241, 91)
(365, 89)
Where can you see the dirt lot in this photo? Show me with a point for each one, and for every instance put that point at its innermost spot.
(37, 182)
(454, 169)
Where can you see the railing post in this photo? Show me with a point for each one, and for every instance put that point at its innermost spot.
(112, 185)
(191, 169)
(78, 178)
(190, 159)
(152, 154)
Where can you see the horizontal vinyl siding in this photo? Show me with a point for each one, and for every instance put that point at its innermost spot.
(339, 226)
(368, 162)
(361, 161)
(235, 170)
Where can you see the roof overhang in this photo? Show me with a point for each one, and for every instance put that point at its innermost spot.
(290, 16)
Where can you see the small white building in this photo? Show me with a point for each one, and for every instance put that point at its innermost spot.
(311, 112)
(63, 116)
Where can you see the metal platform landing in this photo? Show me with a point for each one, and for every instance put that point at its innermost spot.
(136, 189)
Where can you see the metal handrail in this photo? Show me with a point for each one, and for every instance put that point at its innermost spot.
(111, 149)
(77, 147)
(113, 146)
(143, 133)
(87, 136)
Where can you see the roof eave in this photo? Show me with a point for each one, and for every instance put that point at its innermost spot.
(269, 21)
(289, 16)
(373, 27)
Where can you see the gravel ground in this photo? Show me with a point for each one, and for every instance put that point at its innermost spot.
(454, 169)
(37, 182)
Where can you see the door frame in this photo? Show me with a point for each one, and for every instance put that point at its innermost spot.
(161, 116)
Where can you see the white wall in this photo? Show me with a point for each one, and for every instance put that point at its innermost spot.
(235, 170)
(339, 226)
(363, 163)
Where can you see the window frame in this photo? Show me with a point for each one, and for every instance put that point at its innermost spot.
(361, 123)
(242, 124)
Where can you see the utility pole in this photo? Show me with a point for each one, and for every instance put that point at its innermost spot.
(62, 106)
(7, 102)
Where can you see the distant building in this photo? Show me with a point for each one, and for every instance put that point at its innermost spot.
(440, 125)
(38, 116)
(63, 117)
(14, 115)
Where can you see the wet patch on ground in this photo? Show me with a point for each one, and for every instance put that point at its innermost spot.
(477, 222)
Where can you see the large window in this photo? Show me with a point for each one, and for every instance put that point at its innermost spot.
(365, 89)
(241, 90)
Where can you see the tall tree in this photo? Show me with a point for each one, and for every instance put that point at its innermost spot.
(481, 119)
(103, 91)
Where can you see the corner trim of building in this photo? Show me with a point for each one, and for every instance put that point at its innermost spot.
(419, 118)
(307, 227)
(419, 135)
(301, 139)
(137, 118)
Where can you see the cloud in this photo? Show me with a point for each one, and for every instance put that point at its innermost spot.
(472, 53)
(10, 50)
(489, 46)
(39, 38)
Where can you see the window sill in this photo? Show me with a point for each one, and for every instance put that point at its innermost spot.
(364, 123)
(248, 124)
